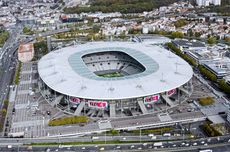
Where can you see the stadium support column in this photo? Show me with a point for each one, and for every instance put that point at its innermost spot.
(79, 108)
(49, 43)
(178, 93)
(142, 107)
(112, 111)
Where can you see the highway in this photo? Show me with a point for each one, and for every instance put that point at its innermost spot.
(218, 143)
(8, 62)
(8, 57)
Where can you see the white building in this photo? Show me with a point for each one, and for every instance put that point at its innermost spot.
(208, 2)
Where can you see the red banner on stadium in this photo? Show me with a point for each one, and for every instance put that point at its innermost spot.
(75, 100)
(97, 104)
(171, 92)
(151, 99)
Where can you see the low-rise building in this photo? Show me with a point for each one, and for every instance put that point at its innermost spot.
(188, 45)
(220, 68)
(26, 52)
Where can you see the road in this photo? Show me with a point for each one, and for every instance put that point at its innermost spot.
(8, 58)
(217, 143)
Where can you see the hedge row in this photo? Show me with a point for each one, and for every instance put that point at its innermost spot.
(207, 73)
(17, 75)
(181, 54)
(155, 130)
(206, 101)
(68, 120)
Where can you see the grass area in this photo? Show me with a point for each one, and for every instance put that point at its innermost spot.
(155, 130)
(87, 143)
(98, 142)
(206, 101)
(68, 120)
(28, 31)
(40, 49)
(3, 37)
(95, 142)
(112, 132)
(3, 114)
(111, 75)
(17, 75)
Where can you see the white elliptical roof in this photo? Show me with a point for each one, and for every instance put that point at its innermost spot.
(64, 71)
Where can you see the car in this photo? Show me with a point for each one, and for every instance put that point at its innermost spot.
(187, 144)
(102, 148)
(150, 135)
(118, 147)
(174, 145)
(144, 144)
(202, 142)
(83, 148)
(139, 148)
(132, 146)
(47, 150)
(194, 144)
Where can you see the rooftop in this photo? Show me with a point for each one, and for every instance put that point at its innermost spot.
(64, 71)
(186, 43)
(29, 47)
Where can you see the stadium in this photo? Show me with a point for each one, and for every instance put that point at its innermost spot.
(114, 79)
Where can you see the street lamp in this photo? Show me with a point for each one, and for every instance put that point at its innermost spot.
(140, 135)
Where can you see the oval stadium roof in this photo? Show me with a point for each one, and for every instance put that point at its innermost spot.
(64, 71)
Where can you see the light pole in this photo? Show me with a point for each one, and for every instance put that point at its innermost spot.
(105, 137)
(140, 135)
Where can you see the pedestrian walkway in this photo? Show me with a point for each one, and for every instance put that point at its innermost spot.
(167, 100)
(79, 109)
(142, 106)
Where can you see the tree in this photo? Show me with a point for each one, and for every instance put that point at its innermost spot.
(207, 73)
(114, 132)
(197, 34)
(27, 30)
(180, 23)
(211, 40)
(122, 35)
(6, 102)
(224, 86)
(190, 33)
(4, 111)
(177, 34)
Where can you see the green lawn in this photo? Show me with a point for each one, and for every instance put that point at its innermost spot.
(111, 75)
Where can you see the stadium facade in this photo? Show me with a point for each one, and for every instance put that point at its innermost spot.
(114, 79)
